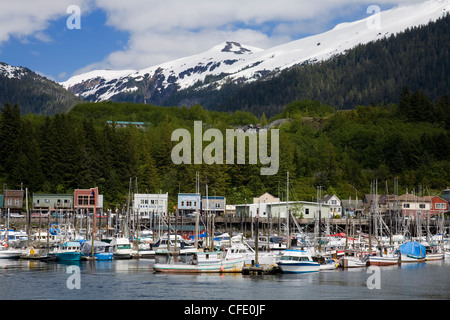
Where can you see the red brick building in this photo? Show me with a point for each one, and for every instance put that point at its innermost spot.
(87, 200)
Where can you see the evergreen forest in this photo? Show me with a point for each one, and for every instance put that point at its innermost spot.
(340, 151)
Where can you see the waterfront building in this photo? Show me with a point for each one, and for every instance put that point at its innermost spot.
(335, 205)
(437, 205)
(409, 205)
(87, 201)
(189, 203)
(54, 204)
(214, 204)
(13, 201)
(148, 205)
(278, 209)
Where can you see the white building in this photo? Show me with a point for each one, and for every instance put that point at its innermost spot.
(268, 206)
(147, 204)
(335, 205)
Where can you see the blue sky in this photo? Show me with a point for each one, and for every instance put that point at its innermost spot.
(136, 34)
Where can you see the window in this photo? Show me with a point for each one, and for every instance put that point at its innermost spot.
(217, 205)
(406, 205)
(440, 206)
(306, 211)
(16, 202)
(422, 206)
(182, 203)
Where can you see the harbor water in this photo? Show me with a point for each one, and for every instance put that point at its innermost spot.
(135, 280)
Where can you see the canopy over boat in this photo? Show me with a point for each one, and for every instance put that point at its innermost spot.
(413, 248)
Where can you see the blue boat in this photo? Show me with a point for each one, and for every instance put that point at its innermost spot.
(68, 251)
(102, 250)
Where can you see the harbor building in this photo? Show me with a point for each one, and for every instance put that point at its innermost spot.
(88, 201)
(53, 204)
(189, 203)
(214, 204)
(150, 205)
(268, 206)
(13, 201)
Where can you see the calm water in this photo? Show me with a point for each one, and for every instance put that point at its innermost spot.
(135, 280)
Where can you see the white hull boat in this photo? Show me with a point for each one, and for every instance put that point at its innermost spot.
(121, 248)
(351, 262)
(297, 261)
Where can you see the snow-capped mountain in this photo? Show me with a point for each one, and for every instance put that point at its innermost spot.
(237, 63)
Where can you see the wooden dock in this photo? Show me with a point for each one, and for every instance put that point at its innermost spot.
(259, 270)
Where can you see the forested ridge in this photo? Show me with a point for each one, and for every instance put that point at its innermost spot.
(370, 74)
(338, 150)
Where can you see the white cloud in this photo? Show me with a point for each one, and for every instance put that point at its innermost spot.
(30, 18)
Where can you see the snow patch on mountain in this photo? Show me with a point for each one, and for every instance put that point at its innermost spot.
(234, 62)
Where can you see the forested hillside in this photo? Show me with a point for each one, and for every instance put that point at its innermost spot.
(339, 151)
(366, 75)
(33, 93)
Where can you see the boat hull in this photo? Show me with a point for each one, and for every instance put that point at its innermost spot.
(298, 267)
(68, 256)
(408, 258)
(122, 255)
(10, 254)
(382, 261)
(351, 262)
(223, 267)
(434, 256)
(104, 256)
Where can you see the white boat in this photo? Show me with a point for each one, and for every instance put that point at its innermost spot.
(351, 260)
(297, 261)
(202, 262)
(433, 253)
(121, 248)
(8, 253)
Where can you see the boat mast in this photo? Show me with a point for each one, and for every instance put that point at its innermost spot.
(287, 212)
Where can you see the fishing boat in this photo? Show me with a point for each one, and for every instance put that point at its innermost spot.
(386, 256)
(102, 250)
(121, 248)
(68, 251)
(202, 262)
(297, 261)
(352, 260)
(412, 252)
(433, 253)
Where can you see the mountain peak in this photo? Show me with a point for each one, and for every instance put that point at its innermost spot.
(235, 47)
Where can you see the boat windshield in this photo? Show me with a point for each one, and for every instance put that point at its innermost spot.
(124, 246)
(291, 258)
